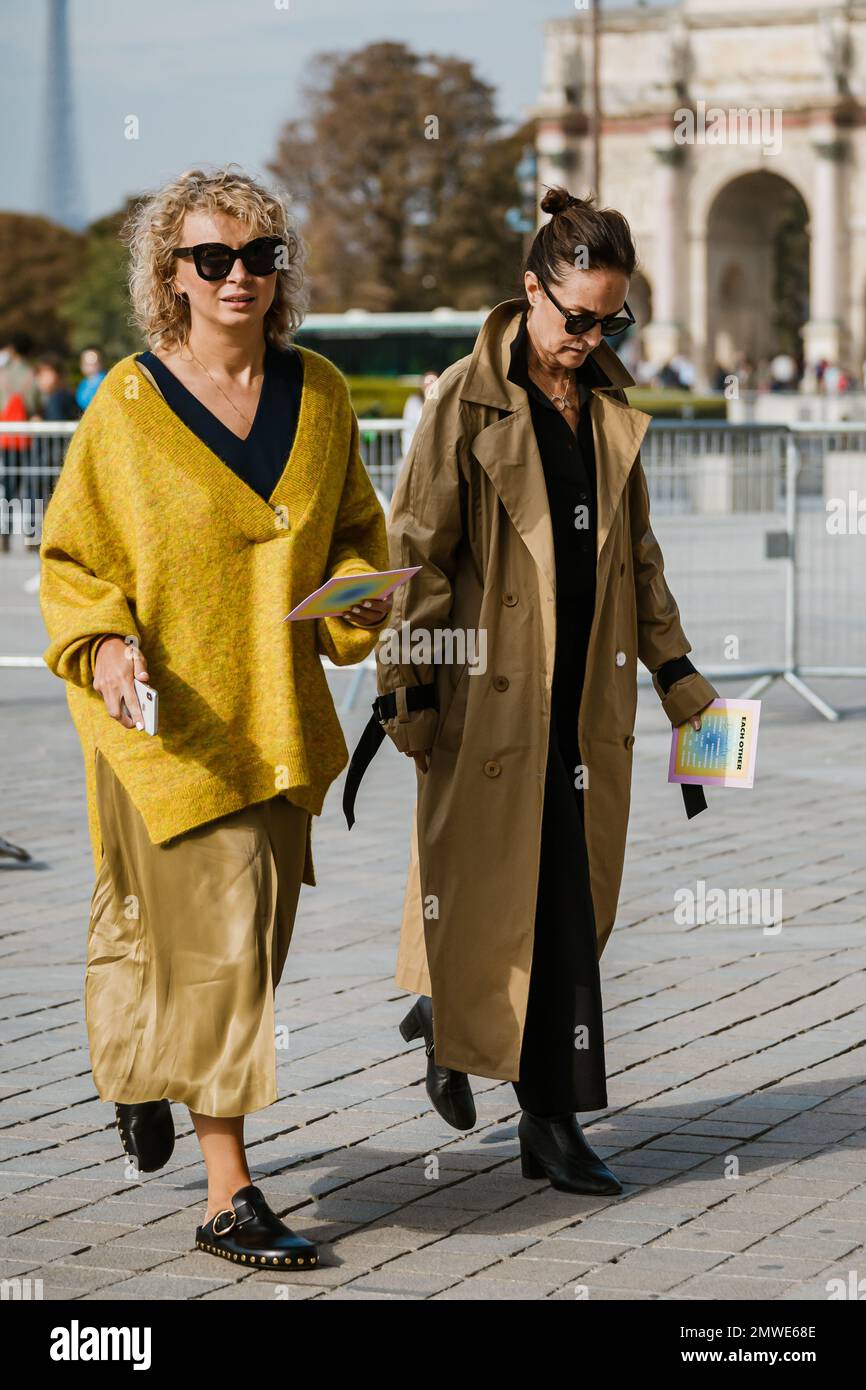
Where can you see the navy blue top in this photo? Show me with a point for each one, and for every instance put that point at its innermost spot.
(261, 458)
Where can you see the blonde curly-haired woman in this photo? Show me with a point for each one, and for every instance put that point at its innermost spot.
(214, 481)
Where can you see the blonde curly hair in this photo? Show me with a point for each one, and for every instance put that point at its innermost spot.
(154, 228)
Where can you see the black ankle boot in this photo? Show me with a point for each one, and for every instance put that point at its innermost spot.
(554, 1147)
(449, 1091)
(146, 1133)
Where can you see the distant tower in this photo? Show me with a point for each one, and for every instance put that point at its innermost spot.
(60, 193)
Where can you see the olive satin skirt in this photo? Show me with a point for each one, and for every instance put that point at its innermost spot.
(186, 945)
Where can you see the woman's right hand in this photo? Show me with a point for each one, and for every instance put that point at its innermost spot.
(117, 662)
(422, 760)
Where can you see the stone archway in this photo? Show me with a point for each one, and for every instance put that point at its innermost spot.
(757, 269)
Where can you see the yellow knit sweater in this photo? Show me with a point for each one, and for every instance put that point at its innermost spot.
(150, 535)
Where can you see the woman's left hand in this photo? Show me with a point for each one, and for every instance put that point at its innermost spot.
(369, 613)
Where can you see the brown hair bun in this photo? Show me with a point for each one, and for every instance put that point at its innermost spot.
(557, 200)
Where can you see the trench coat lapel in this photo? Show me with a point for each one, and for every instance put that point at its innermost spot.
(617, 431)
(508, 452)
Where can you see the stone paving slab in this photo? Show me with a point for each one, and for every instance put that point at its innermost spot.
(736, 1056)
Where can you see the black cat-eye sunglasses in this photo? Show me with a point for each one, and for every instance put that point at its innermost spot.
(214, 260)
(576, 324)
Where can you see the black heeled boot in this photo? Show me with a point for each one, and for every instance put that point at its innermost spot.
(449, 1091)
(554, 1147)
(249, 1233)
(147, 1133)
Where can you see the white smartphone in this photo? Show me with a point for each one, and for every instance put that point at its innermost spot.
(149, 701)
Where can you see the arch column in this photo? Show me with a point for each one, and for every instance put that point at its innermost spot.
(558, 143)
(663, 337)
(699, 345)
(824, 334)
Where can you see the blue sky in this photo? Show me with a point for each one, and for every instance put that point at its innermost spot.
(213, 80)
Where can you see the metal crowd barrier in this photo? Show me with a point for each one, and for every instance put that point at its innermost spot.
(760, 527)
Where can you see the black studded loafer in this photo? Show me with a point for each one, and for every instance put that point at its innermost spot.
(251, 1234)
(146, 1133)
(554, 1147)
(449, 1091)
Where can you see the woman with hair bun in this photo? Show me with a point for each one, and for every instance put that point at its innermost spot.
(214, 481)
(524, 501)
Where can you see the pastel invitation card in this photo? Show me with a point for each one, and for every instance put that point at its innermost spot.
(722, 752)
(336, 595)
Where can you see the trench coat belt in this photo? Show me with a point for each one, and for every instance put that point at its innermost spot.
(373, 736)
(424, 697)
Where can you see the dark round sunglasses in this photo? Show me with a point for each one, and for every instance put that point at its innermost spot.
(214, 260)
(585, 323)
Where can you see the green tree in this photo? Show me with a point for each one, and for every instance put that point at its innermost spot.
(404, 179)
(791, 273)
(95, 304)
(39, 259)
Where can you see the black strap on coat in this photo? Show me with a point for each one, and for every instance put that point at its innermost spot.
(372, 737)
(424, 697)
(694, 799)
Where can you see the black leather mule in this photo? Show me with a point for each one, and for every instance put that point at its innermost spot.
(249, 1233)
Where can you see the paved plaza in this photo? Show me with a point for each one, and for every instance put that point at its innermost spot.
(735, 1050)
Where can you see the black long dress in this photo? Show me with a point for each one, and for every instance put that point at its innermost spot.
(562, 1064)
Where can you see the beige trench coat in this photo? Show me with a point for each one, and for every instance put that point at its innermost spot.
(471, 507)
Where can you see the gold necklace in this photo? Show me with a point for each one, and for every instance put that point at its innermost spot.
(560, 400)
(244, 417)
(566, 401)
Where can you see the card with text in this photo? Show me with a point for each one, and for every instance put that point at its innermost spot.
(722, 752)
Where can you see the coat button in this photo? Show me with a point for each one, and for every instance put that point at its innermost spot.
(620, 658)
(509, 598)
(492, 768)
(628, 740)
(500, 682)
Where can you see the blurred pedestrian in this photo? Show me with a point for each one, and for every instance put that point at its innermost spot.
(57, 400)
(685, 370)
(832, 378)
(92, 374)
(412, 409)
(17, 377)
(783, 372)
(18, 399)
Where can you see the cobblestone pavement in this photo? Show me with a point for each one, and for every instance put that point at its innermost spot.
(735, 1054)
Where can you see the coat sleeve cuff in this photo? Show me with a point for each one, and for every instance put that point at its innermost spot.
(686, 697)
(414, 734)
